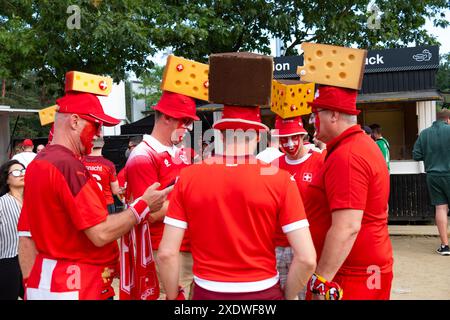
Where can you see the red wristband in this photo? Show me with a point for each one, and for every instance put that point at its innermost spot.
(320, 286)
(140, 209)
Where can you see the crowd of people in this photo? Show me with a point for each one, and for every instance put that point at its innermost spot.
(301, 221)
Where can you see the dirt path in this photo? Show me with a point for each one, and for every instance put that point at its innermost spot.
(419, 272)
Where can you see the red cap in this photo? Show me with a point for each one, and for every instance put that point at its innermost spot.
(177, 106)
(289, 127)
(244, 118)
(336, 98)
(27, 143)
(87, 106)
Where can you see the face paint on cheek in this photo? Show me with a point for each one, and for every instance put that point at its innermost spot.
(317, 123)
(290, 145)
(87, 135)
(178, 135)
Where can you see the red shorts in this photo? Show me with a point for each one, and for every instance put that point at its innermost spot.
(272, 293)
(365, 287)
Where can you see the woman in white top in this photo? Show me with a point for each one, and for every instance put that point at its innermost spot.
(11, 198)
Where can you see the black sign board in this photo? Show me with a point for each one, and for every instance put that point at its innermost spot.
(402, 59)
(389, 60)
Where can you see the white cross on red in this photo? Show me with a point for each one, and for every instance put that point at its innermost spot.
(307, 177)
(103, 85)
(206, 84)
(180, 67)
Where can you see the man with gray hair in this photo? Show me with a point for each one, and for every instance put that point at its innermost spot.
(70, 240)
(347, 205)
(432, 147)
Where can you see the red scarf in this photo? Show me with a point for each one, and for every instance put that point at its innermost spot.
(138, 279)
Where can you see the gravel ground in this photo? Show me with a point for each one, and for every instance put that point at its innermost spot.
(419, 272)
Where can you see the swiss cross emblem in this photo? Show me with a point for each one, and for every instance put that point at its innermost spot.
(206, 84)
(307, 177)
(180, 67)
(103, 85)
(293, 108)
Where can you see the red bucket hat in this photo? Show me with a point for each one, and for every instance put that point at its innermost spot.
(27, 143)
(244, 118)
(87, 106)
(176, 105)
(337, 99)
(289, 127)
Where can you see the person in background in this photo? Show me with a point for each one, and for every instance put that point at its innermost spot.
(17, 149)
(432, 147)
(382, 143)
(39, 148)
(302, 164)
(367, 130)
(27, 155)
(132, 143)
(11, 198)
(104, 171)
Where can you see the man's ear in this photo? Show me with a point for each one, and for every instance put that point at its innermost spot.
(75, 121)
(335, 115)
(166, 118)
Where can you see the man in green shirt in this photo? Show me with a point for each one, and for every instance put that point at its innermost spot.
(382, 143)
(433, 148)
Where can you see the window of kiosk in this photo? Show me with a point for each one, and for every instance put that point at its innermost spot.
(398, 123)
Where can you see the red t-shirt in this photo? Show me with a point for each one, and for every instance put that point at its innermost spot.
(62, 200)
(121, 176)
(232, 211)
(104, 172)
(303, 171)
(354, 176)
(152, 162)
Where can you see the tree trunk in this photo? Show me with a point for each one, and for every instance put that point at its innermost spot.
(3, 88)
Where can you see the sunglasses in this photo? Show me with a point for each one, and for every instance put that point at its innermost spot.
(17, 173)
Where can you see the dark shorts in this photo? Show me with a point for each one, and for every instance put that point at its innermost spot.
(273, 293)
(439, 189)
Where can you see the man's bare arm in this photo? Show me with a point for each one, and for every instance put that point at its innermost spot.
(303, 262)
(27, 255)
(339, 241)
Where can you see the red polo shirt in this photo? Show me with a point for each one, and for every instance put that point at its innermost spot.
(354, 176)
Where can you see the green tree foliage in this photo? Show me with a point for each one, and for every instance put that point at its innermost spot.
(116, 37)
(347, 23)
(112, 37)
(195, 29)
(151, 83)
